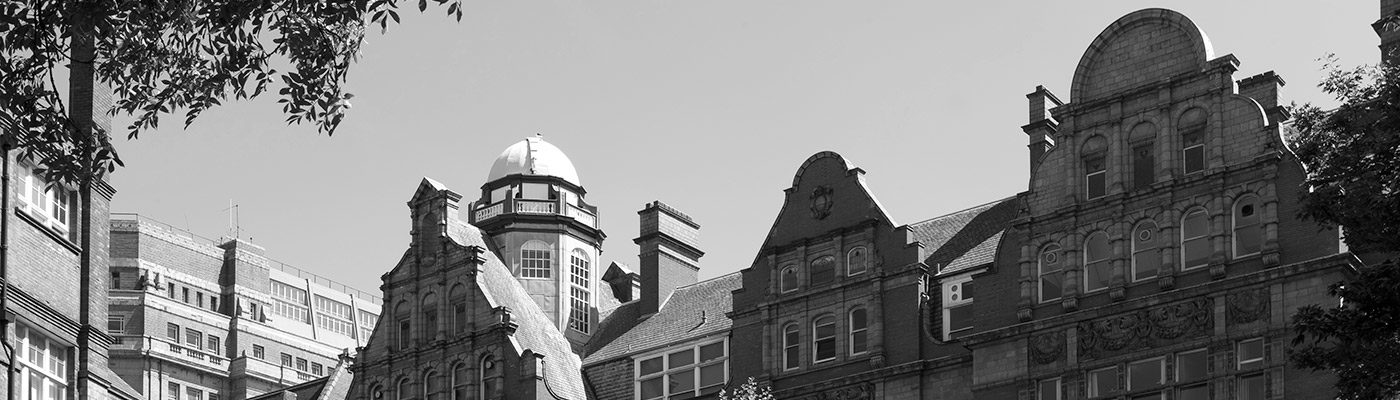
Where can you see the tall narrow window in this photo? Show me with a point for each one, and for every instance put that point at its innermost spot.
(855, 261)
(859, 325)
(401, 391)
(823, 339)
(1146, 260)
(41, 366)
(460, 381)
(535, 260)
(430, 313)
(1144, 166)
(823, 270)
(1192, 126)
(788, 278)
(432, 386)
(1250, 353)
(1095, 178)
(458, 296)
(580, 312)
(1195, 245)
(957, 306)
(405, 334)
(489, 376)
(1248, 232)
(792, 347)
(1051, 276)
(1098, 270)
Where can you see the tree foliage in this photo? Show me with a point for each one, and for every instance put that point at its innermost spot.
(167, 56)
(750, 390)
(1352, 155)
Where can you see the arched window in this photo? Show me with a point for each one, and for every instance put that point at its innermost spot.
(1144, 154)
(488, 376)
(792, 347)
(1098, 270)
(580, 304)
(432, 385)
(859, 325)
(535, 260)
(1051, 273)
(401, 391)
(403, 314)
(1248, 232)
(430, 316)
(788, 278)
(856, 261)
(460, 381)
(1192, 126)
(1146, 260)
(1195, 245)
(823, 339)
(823, 270)
(376, 392)
(458, 296)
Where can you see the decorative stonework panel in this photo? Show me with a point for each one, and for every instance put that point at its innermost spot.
(861, 391)
(1145, 328)
(1248, 305)
(1047, 347)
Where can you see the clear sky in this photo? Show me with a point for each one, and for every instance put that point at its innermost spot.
(707, 105)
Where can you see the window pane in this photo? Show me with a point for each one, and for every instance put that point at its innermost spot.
(1195, 159)
(967, 290)
(823, 270)
(1145, 374)
(791, 357)
(1190, 366)
(1097, 248)
(680, 358)
(1146, 264)
(1196, 253)
(1251, 353)
(1103, 382)
(1048, 389)
(826, 349)
(1143, 166)
(858, 344)
(711, 351)
(652, 389)
(826, 328)
(1251, 387)
(1096, 184)
(1198, 392)
(1194, 225)
(1097, 275)
(959, 318)
(1050, 286)
(680, 382)
(711, 375)
(789, 279)
(855, 261)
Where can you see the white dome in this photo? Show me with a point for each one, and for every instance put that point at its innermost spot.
(534, 156)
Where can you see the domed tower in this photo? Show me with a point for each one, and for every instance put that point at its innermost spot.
(532, 207)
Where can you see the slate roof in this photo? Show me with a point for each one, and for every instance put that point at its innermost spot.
(966, 238)
(562, 369)
(333, 386)
(692, 312)
(612, 325)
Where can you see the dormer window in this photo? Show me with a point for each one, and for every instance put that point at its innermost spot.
(957, 306)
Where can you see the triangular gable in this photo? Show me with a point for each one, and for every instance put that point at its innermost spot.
(828, 193)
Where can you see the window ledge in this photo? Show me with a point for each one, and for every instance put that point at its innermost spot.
(49, 231)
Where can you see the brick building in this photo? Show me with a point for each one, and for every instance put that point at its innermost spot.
(198, 319)
(1155, 254)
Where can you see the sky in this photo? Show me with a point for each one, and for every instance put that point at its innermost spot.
(707, 105)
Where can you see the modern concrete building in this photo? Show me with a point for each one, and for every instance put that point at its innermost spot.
(199, 319)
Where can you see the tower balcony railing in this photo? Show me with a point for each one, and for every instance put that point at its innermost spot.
(582, 214)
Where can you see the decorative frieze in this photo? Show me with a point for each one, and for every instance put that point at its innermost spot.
(1145, 328)
(1246, 306)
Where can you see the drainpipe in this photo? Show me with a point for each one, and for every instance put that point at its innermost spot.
(4, 269)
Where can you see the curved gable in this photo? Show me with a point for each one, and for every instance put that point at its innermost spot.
(1144, 46)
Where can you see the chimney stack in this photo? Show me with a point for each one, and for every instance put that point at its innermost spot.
(669, 256)
(1042, 125)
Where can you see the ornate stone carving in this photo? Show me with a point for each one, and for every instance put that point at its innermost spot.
(821, 202)
(859, 391)
(1247, 305)
(1145, 328)
(1048, 347)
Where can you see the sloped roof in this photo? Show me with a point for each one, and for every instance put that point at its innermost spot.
(334, 386)
(562, 368)
(612, 325)
(966, 238)
(692, 312)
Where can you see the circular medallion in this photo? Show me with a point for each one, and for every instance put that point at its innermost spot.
(821, 202)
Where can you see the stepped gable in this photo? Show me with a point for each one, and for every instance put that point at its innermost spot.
(562, 369)
(692, 312)
(966, 238)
